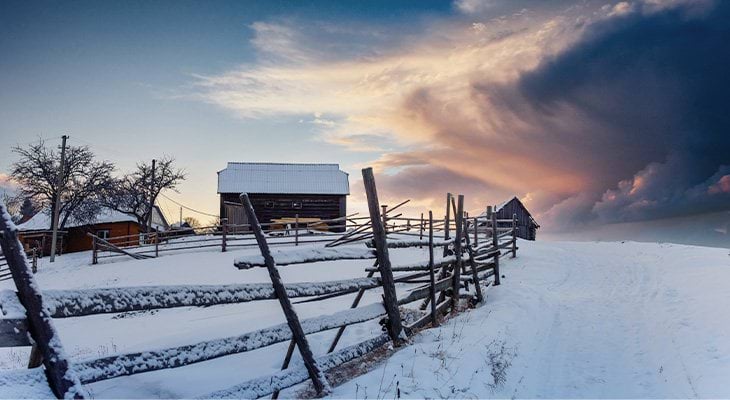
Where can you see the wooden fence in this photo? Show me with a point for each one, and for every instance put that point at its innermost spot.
(439, 281)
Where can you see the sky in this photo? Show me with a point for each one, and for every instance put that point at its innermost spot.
(596, 114)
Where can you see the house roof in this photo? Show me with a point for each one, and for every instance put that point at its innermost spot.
(42, 220)
(283, 178)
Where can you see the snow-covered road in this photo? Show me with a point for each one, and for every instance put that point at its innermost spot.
(579, 320)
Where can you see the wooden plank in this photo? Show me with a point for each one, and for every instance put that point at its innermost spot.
(315, 374)
(390, 299)
(61, 379)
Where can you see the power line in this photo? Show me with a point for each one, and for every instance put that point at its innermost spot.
(188, 208)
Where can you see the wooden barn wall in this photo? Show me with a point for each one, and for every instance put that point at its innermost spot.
(525, 228)
(273, 206)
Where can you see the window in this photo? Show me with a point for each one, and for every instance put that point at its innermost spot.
(103, 234)
(269, 204)
(296, 204)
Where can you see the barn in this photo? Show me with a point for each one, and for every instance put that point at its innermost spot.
(282, 191)
(526, 224)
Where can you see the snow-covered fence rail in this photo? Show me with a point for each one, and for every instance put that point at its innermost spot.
(224, 237)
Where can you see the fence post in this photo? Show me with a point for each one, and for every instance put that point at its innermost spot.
(296, 229)
(390, 300)
(473, 265)
(514, 235)
(495, 244)
(420, 232)
(476, 230)
(431, 273)
(456, 275)
(318, 379)
(224, 238)
(385, 218)
(94, 251)
(35, 260)
(62, 380)
(447, 222)
(157, 244)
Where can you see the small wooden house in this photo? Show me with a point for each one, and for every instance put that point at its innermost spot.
(281, 191)
(526, 224)
(36, 232)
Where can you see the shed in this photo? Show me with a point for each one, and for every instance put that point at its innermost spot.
(36, 231)
(284, 190)
(526, 224)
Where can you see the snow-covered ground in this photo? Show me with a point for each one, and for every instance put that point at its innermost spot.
(596, 320)
(570, 320)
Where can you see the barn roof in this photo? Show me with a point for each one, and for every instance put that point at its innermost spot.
(283, 178)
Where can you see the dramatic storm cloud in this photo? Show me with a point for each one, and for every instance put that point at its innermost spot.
(589, 113)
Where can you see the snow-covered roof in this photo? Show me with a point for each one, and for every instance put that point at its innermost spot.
(42, 220)
(283, 178)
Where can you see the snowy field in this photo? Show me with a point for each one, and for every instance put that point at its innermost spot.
(570, 320)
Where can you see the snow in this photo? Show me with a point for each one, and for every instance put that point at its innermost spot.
(10, 307)
(25, 384)
(576, 320)
(305, 255)
(570, 319)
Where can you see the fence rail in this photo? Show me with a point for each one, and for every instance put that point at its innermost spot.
(441, 281)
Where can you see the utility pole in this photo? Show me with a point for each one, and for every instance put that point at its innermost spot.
(152, 197)
(59, 190)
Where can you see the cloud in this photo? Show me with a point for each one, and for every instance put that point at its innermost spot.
(590, 114)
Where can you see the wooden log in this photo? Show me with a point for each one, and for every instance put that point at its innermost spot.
(390, 298)
(76, 303)
(425, 291)
(419, 266)
(288, 257)
(495, 244)
(318, 379)
(62, 380)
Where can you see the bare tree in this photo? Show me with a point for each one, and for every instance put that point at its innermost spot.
(84, 180)
(131, 193)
